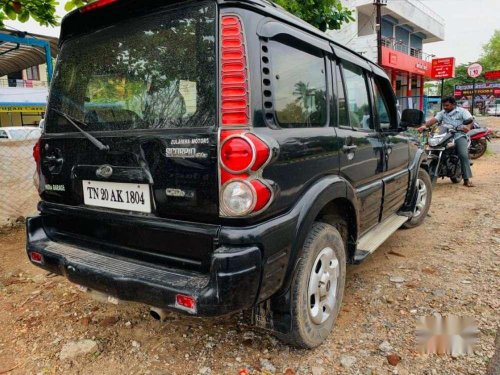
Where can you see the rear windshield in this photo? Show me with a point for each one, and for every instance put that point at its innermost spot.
(153, 72)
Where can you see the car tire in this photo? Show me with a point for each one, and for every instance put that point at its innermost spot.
(314, 308)
(424, 199)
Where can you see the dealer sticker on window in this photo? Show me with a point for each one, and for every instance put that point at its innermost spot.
(121, 196)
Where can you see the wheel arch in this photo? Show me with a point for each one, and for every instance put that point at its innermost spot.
(330, 195)
(343, 208)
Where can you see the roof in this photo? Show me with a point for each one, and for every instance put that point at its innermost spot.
(14, 59)
(73, 21)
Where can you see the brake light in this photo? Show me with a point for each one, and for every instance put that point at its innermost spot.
(234, 73)
(237, 154)
(36, 153)
(185, 302)
(262, 152)
(263, 195)
(37, 156)
(95, 5)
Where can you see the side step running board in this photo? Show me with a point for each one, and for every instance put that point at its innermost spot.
(377, 236)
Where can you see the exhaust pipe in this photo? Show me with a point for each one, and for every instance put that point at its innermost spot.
(158, 314)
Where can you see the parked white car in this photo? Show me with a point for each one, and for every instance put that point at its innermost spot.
(493, 110)
(20, 133)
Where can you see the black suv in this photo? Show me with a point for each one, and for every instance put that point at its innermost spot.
(214, 156)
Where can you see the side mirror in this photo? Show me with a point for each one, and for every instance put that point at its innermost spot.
(412, 118)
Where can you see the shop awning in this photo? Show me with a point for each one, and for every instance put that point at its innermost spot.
(15, 57)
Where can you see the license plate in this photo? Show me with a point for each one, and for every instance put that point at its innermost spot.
(120, 196)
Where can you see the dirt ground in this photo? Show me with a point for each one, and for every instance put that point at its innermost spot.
(450, 265)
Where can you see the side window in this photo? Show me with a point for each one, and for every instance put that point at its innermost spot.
(357, 95)
(385, 103)
(299, 87)
(382, 108)
(342, 103)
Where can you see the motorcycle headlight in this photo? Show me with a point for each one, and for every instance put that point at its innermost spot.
(433, 142)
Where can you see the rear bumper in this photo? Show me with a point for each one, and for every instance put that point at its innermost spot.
(231, 285)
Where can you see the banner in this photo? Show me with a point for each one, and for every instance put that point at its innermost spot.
(484, 90)
(20, 108)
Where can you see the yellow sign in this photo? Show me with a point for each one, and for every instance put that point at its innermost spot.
(28, 108)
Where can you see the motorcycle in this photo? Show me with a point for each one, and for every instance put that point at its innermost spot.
(479, 140)
(442, 156)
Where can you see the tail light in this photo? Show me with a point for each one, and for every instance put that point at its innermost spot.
(37, 157)
(36, 153)
(242, 154)
(96, 5)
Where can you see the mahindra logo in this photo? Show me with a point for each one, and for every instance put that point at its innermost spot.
(104, 171)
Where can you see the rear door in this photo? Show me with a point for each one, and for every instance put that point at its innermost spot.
(362, 158)
(143, 81)
(396, 147)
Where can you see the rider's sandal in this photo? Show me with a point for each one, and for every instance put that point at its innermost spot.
(469, 184)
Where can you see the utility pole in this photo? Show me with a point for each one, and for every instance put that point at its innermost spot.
(442, 92)
(379, 4)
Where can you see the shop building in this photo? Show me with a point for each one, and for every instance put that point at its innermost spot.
(406, 27)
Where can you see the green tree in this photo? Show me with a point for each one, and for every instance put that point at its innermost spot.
(42, 11)
(323, 14)
(491, 53)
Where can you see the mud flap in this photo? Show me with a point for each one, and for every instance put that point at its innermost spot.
(273, 314)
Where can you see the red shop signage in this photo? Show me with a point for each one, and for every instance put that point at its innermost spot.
(443, 68)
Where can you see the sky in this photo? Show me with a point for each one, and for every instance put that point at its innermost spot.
(469, 25)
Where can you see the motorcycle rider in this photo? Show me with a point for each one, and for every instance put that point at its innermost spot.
(456, 117)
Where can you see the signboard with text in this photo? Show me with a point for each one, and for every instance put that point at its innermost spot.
(483, 90)
(474, 70)
(443, 68)
(404, 62)
(492, 75)
(22, 108)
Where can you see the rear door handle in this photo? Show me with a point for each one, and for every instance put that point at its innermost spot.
(349, 149)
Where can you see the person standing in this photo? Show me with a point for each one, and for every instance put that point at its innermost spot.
(456, 116)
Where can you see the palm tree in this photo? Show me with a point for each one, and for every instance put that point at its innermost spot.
(304, 95)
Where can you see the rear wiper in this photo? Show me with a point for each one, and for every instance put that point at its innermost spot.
(101, 146)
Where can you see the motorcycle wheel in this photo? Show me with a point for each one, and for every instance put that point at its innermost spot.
(478, 149)
(456, 180)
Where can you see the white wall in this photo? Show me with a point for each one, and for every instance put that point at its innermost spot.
(348, 36)
(414, 12)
